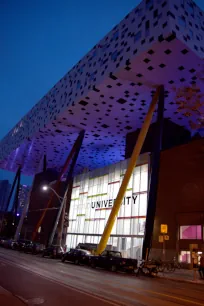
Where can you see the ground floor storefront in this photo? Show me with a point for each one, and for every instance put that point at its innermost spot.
(93, 196)
(128, 246)
(179, 205)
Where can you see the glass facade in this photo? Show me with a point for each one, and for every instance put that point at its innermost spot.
(92, 199)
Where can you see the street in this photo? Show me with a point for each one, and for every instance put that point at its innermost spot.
(40, 281)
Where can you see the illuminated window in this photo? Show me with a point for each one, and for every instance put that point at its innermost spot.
(142, 222)
(123, 247)
(144, 179)
(191, 232)
(185, 256)
(91, 227)
(119, 229)
(126, 227)
(96, 240)
(114, 228)
(143, 204)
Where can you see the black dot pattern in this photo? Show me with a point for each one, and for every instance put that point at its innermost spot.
(108, 92)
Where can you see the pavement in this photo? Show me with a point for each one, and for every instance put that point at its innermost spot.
(34, 280)
(183, 275)
(8, 299)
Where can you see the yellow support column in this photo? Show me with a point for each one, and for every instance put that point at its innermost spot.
(129, 171)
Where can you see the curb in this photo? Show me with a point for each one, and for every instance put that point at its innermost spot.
(4, 292)
(181, 280)
(10, 299)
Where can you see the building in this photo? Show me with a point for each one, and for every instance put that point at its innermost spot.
(180, 201)
(93, 196)
(5, 188)
(22, 198)
(179, 204)
(38, 202)
(107, 94)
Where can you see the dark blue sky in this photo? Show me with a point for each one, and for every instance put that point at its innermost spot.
(40, 41)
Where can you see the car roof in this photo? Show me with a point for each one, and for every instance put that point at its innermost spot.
(82, 250)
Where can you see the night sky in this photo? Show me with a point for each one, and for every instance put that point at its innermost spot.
(40, 41)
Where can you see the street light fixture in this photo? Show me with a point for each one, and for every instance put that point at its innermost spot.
(47, 187)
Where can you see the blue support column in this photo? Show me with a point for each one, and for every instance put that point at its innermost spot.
(154, 177)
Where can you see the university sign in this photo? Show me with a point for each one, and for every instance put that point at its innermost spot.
(109, 203)
(93, 200)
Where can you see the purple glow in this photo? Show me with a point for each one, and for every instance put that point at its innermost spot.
(191, 232)
(17, 215)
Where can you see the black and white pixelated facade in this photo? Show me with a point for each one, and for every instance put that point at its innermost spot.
(108, 92)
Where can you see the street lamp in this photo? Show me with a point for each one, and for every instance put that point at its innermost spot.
(63, 201)
(47, 187)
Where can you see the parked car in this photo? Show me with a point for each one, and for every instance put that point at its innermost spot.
(8, 243)
(53, 251)
(11, 244)
(77, 256)
(2, 240)
(14, 245)
(22, 244)
(113, 260)
(34, 248)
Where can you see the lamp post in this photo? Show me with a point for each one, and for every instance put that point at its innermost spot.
(63, 201)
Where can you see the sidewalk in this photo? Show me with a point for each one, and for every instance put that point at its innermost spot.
(182, 275)
(7, 299)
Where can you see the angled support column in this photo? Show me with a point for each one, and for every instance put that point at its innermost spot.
(68, 182)
(62, 210)
(23, 215)
(12, 188)
(56, 186)
(16, 201)
(129, 171)
(154, 177)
